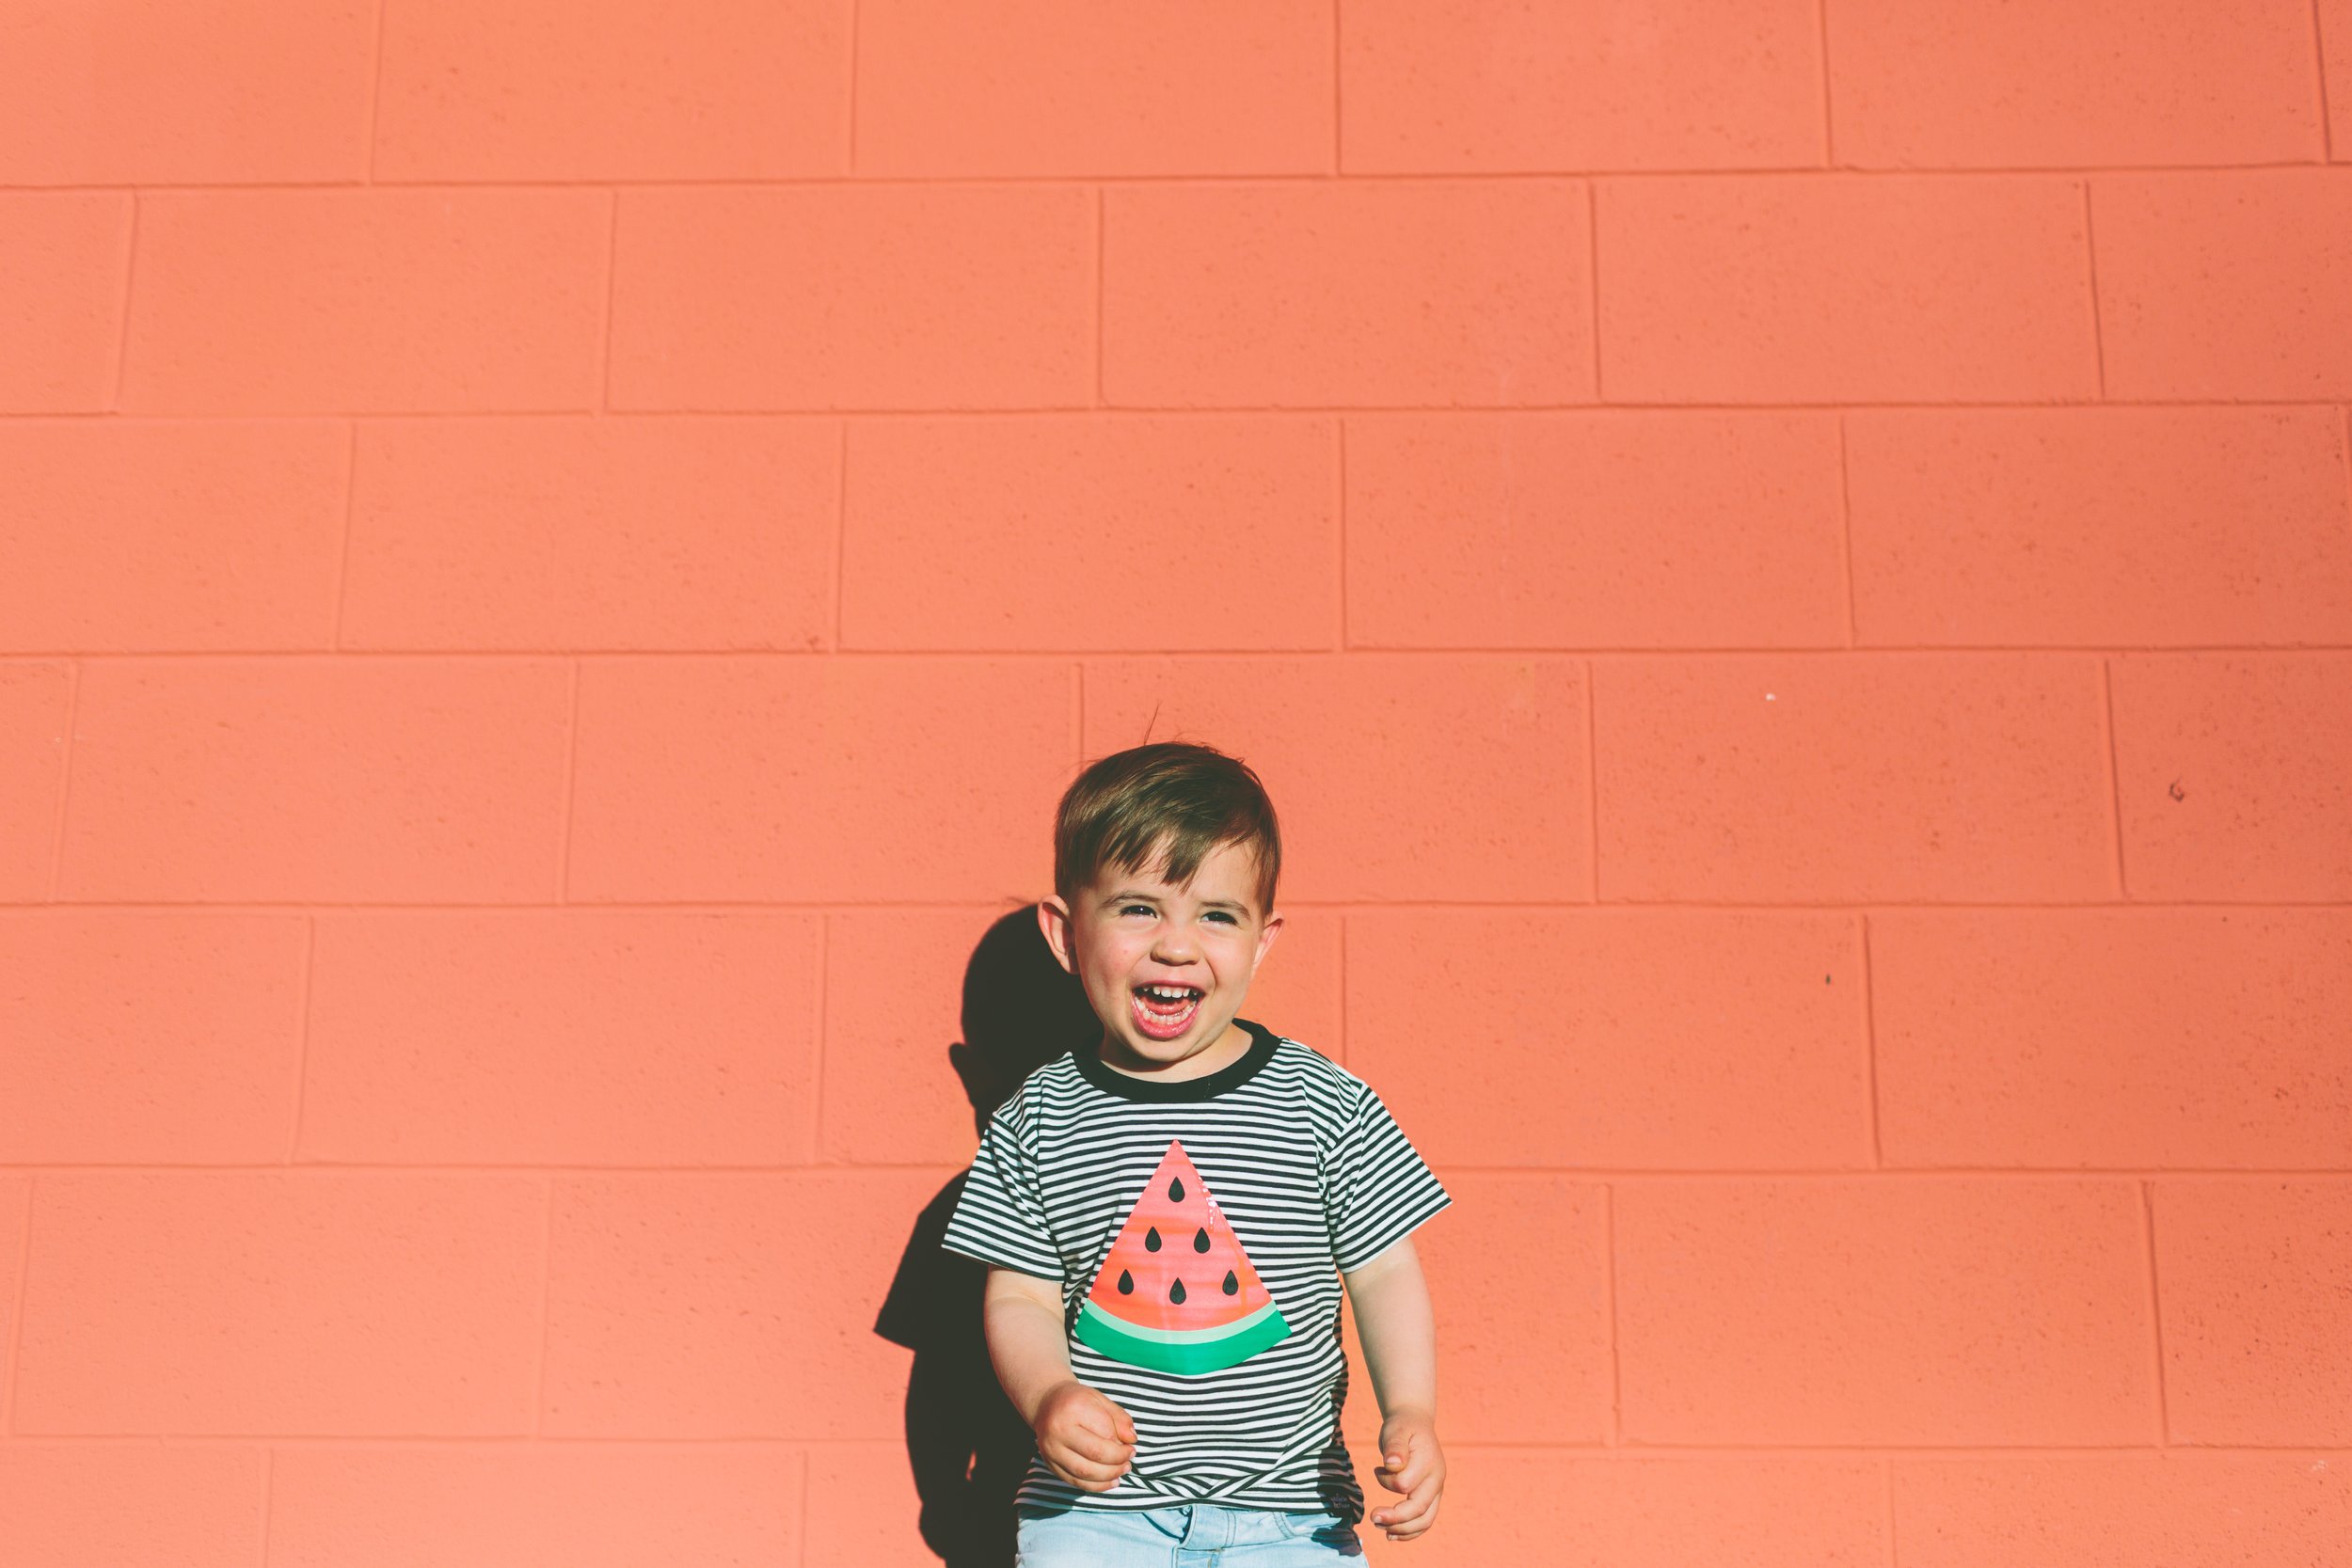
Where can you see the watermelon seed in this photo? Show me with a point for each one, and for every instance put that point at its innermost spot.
(1152, 1240)
(1200, 1240)
(1176, 1292)
(1127, 1283)
(1176, 1190)
(1232, 1285)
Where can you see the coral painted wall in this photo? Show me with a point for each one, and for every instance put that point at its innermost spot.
(1788, 564)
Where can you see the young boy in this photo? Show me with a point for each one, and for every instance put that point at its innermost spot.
(1169, 1217)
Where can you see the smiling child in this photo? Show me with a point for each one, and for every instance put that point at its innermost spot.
(1170, 1218)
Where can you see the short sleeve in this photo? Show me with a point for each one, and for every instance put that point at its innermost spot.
(1000, 1217)
(1378, 1188)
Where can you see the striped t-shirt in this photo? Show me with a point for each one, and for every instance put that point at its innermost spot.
(1198, 1231)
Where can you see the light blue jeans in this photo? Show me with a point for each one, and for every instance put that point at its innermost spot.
(1184, 1535)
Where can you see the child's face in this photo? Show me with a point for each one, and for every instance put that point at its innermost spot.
(1125, 931)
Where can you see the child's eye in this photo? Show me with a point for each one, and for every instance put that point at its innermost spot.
(1132, 908)
(1220, 914)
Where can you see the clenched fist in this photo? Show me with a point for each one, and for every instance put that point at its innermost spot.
(1084, 1437)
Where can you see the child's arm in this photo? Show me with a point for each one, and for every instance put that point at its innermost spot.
(1086, 1439)
(1399, 1331)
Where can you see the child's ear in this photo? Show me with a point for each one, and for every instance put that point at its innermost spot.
(1052, 918)
(1267, 933)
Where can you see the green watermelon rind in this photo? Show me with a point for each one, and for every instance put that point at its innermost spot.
(1186, 1351)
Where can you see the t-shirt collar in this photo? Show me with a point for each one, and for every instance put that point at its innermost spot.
(1232, 1075)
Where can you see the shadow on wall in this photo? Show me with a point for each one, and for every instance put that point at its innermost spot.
(967, 1443)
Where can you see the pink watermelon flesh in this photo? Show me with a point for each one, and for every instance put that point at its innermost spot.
(1177, 1292)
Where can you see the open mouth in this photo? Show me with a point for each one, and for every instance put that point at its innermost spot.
(1163, 1012)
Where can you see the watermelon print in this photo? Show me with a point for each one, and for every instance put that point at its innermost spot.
(1177, 1292)
(1314, 1177)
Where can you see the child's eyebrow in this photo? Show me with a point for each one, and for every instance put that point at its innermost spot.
(1126, 896)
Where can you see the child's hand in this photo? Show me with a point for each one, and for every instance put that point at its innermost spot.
(1084, 1437)
(1411, 1462)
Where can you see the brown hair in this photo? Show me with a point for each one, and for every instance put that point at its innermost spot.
(1191, 799)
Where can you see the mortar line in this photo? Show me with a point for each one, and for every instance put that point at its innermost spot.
(1491, 653)
(2106, 905)
(14, 1369)
(1829, 120)
(1563, 174)
(2098, 329)
(2115, 776)
(1298, 412)
(2319, 55)
(1680, 1175)
(333, 1442)
(122, 325)
(803, 1555)
(1426, 906)
(1870, 1044)
(2155, 1310)
(375, 87)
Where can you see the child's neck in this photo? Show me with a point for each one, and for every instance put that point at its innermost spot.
(1230, 1047)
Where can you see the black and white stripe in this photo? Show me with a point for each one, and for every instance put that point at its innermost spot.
(1316, 1179)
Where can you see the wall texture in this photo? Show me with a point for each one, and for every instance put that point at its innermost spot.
(1787, 562)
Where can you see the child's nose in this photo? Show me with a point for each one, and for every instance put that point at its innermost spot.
(1175, 944)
